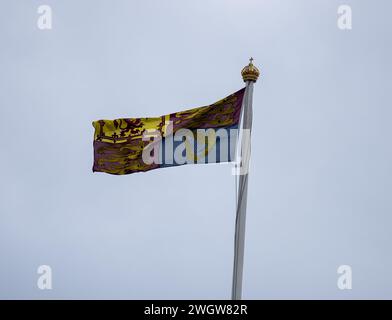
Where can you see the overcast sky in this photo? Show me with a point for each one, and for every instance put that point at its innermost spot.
(320, 180)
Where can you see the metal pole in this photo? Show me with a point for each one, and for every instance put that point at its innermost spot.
(250, 74)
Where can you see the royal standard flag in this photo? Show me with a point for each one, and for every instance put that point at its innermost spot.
(201, 135)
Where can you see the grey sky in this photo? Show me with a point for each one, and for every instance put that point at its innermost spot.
(320, 182)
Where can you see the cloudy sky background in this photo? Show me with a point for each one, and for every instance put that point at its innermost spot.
(320, 183)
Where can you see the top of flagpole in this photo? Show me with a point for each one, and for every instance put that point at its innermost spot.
(250, 72)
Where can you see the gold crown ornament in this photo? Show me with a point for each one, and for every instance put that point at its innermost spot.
(250, 72)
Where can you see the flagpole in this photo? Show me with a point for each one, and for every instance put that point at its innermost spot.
(249, 74)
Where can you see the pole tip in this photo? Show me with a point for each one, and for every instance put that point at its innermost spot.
(250, 72)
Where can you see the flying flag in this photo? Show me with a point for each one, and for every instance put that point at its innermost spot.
(200, 135)
(209, 134)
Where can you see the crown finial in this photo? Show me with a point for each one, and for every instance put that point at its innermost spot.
(250, 72)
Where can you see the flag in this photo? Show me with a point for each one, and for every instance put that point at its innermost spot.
(201, 135)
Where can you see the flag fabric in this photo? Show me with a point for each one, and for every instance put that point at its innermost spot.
(121, 146)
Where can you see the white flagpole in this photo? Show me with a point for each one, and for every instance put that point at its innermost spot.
(250, 74)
